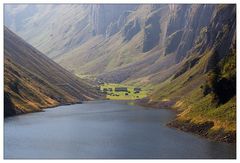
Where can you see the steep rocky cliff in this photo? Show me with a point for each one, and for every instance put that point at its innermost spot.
(102, 16)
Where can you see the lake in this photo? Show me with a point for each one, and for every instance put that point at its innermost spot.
(104, 129)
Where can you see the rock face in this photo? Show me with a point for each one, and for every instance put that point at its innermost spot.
(112, 29)
(198, 17)
(221, 32)
(104, 15)
(116, 25)
(178, 18)
(151, 32)
(131, 29)
(183, 27)
(173, 42)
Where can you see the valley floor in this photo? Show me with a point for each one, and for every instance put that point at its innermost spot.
(116, 91)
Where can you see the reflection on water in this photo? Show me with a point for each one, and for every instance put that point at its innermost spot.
(104, 129)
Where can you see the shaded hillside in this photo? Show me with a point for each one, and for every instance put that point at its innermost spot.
(32, 81)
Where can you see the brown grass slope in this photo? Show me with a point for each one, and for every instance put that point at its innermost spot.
(33, 81)
(25, 92)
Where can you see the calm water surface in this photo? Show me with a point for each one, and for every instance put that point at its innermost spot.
(104, 129)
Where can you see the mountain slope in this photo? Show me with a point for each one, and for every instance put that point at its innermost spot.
(42, 24)
(141, 44)
(204, 87)
(32, 81)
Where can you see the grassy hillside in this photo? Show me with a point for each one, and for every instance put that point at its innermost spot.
(27, 92)
(207, 101)
(32, 81)
(212, 105)
(39, 25)
(187, 93)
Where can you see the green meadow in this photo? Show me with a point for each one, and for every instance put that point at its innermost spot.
(130, 94)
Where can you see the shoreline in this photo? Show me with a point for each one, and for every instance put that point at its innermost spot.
(41, 109)
(202, 129)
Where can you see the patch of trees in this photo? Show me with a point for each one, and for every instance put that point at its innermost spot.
(221, 81)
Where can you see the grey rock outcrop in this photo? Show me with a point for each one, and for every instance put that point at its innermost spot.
(131, 29)
(151, 32)
(101, 16)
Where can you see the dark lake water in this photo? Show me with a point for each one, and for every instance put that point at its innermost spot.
(104, 129)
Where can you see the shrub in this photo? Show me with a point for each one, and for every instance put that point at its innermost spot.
(221, 81)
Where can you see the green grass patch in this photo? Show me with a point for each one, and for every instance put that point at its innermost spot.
(203, 109)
